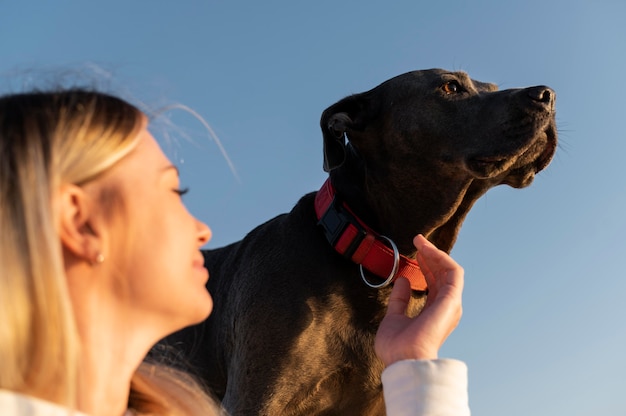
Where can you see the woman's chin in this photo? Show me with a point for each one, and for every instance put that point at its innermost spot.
(196, 310)
(204, 308)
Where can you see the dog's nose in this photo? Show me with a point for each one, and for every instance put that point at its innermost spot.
(542, 94)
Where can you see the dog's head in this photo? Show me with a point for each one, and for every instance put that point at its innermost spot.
(439, 138)
(447, 120)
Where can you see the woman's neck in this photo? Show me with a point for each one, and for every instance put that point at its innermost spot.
(104, 380)
(114, 342)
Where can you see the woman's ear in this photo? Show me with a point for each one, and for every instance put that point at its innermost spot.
(78, 234)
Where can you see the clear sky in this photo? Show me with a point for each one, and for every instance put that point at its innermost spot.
(544, 329)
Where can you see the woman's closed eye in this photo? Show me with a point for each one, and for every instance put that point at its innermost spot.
(182, 191)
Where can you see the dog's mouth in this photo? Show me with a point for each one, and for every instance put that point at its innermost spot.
(517, 170)
(487, 166)
(549, 149)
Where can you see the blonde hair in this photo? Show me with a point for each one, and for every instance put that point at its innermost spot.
(48, 139)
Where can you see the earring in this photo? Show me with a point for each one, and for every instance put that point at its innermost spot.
(99, 259)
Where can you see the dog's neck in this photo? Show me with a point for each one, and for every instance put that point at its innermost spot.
(400, 209)
(353, 239)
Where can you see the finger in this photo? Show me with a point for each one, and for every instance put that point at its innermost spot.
(435, 257)
(399, 298)
(428, 274)
(436, 260)
(426, 254)
(439, 269)
(419, 245)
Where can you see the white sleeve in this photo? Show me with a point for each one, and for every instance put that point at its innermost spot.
(426, 388)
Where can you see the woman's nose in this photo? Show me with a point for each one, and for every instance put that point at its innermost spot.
(204, 233)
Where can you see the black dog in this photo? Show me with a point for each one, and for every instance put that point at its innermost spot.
(293, 328)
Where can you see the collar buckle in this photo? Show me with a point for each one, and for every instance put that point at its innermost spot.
(334, 222)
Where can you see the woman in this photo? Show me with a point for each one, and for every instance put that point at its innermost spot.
(99, 259)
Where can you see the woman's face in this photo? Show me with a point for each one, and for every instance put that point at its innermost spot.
(157, 270)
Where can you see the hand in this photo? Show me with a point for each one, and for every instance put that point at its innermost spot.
(400, 337)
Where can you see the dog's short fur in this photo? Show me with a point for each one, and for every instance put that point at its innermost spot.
(293, 328)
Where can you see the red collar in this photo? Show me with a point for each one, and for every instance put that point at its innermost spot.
(357, 242)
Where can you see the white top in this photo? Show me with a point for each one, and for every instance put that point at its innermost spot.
(14, 404)
(426, 388)
(411, 388)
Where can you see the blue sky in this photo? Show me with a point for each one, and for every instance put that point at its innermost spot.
(543, 330)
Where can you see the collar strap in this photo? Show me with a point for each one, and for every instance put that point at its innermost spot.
(351, 238)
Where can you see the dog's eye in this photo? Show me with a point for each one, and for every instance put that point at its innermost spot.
(451, 87)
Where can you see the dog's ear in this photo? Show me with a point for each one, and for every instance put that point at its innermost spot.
(336, 121)
(335, 140)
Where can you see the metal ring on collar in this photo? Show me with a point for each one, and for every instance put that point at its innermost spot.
(394, 270)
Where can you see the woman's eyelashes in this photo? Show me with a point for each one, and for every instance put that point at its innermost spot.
(182, 191)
